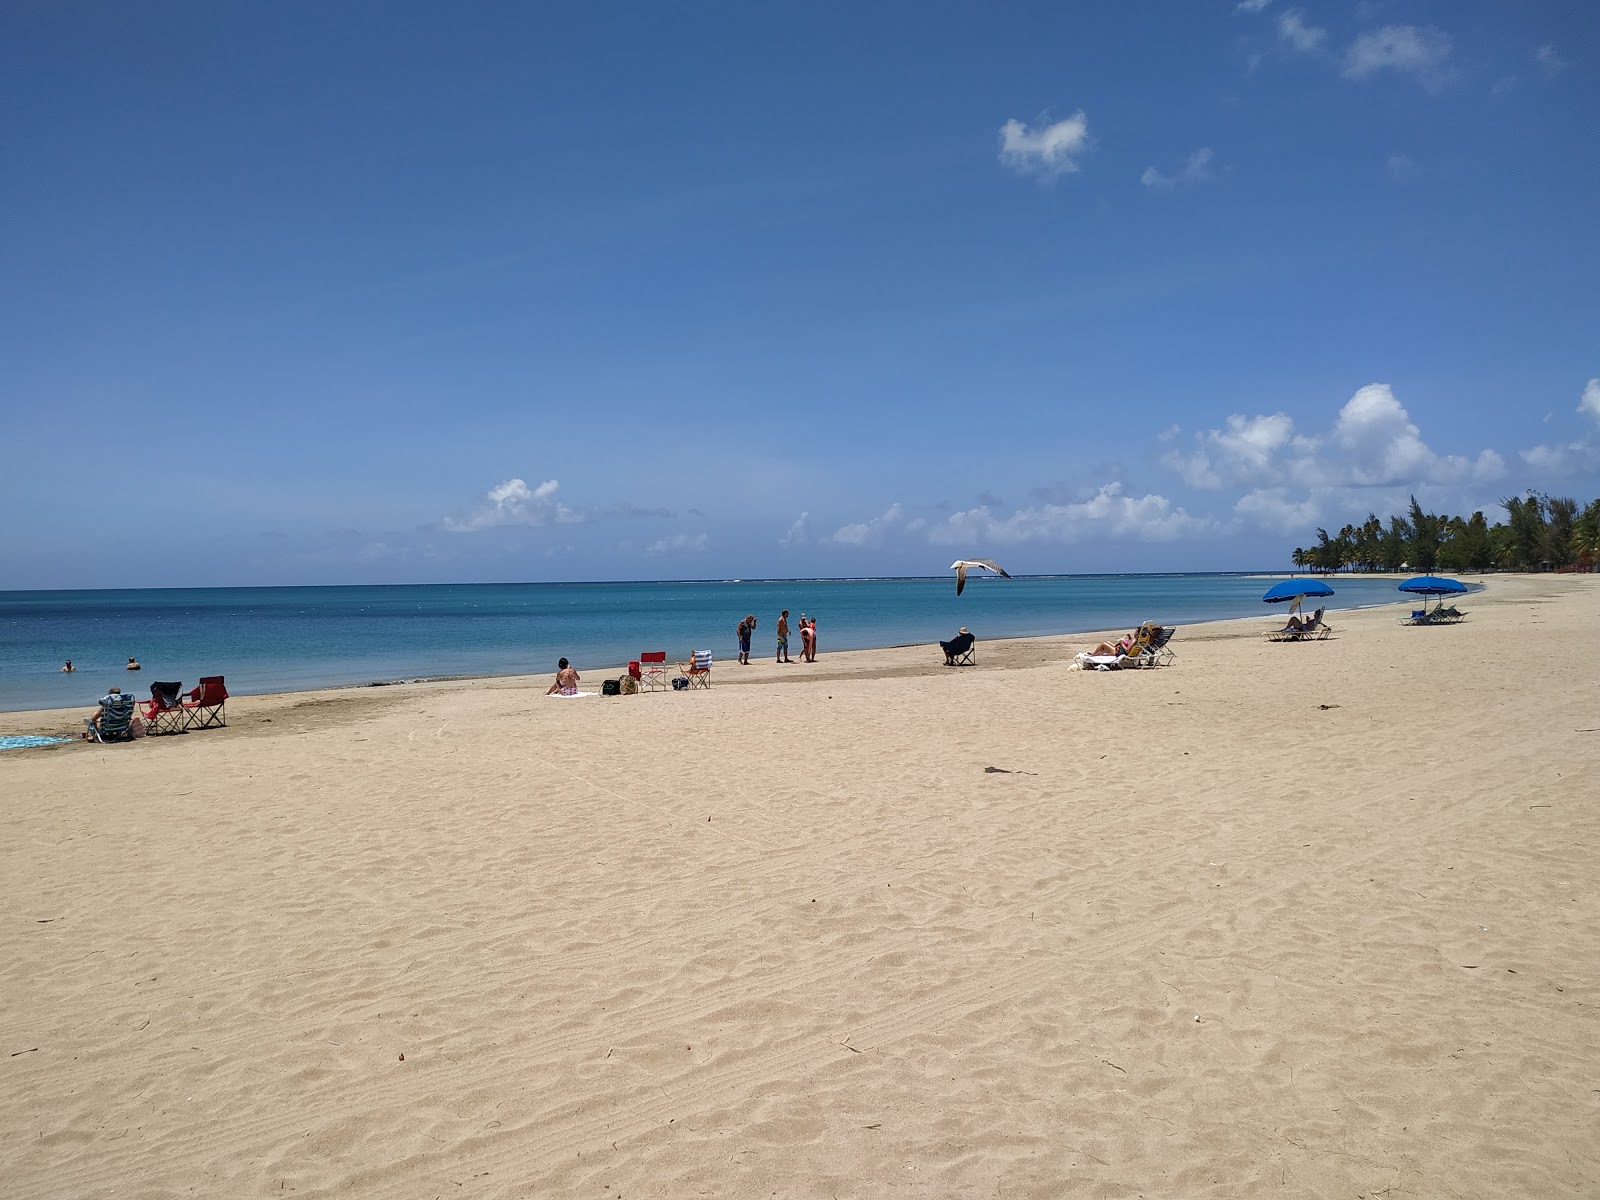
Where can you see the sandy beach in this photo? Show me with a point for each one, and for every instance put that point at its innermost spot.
(1293, 920)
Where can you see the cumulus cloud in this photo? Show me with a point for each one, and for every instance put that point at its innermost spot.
(873, 532)
(1590, 403)
(1197, 169)
(1106, 514)
(515, 503)
(1045, 150)
(1293, 30)
(1373, 442)
(1408, 49)
(678, 543)
(1573, 458)
(799, 533)
(1273, 509)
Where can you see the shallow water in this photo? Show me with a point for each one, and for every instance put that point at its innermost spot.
(295, 638)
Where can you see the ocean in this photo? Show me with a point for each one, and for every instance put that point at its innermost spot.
(279, 639)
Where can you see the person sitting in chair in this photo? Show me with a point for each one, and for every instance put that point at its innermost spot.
(957, 646)
(112, 699)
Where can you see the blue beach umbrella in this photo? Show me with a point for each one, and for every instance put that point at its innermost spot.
(1296, 590)
(1433, 585)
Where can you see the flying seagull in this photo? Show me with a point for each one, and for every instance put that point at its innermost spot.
(978, 564)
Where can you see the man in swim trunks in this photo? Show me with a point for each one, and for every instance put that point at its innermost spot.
(747, 627)
(783, 637)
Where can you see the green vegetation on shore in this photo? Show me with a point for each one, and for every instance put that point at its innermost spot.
(1539, 532)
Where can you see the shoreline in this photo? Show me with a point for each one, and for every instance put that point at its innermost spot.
(359, 657)
(860, 663)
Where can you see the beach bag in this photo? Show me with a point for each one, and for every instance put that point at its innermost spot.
(630, 685)
(610, 687)
(679, 684)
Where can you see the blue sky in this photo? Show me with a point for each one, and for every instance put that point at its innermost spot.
(403, 292)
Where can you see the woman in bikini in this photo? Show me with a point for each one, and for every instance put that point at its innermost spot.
(566, 683)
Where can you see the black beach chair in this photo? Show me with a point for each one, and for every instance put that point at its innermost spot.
(958, 650)
(165, 712)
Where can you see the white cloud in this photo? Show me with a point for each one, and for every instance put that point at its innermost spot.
(1373, 442)
(870, 533)
(799, 533)
(1404, 48)
(1106, 514)
(1401, 166)
(1045, 150)
(1293, 29)
(1575, 458)
(1550, 60)
(1251, 6)
(678, 543)
(514, 503)
(1197, 169)
(1590, 403)
(1273, 510)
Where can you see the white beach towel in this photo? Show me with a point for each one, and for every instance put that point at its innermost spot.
(568, 695)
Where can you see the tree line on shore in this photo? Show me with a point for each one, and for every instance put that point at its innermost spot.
(1540, 532)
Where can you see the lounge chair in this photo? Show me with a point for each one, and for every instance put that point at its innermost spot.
(114, 721)
(653, 671)
(205, 708)
(1158, 652)
(958, 650)
(1306, 629)
(698, 669)
(164, 711)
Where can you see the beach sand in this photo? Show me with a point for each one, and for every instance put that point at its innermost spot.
(1303, 920)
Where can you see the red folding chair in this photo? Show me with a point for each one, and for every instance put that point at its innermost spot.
(164, 711)
(653, 671)
(205, 707)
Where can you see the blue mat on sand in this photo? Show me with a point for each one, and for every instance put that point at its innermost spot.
(18, 741)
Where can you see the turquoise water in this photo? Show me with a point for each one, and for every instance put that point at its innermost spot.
(294, 638)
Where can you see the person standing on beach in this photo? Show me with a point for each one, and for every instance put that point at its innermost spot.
(783, 637)
(746, 631)
(808, 647)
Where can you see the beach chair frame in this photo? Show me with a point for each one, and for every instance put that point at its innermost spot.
(653, 671)
(697, 670)
(164, 712)
(207, 707)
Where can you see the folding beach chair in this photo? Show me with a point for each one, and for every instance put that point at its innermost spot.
(698, 669)
(1316, 629)
(958, 650)
(164, 711)
(205, 707)
(115, 720)
(653, 671)
(1158, 652)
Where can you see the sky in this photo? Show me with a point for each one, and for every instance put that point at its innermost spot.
(405, 292)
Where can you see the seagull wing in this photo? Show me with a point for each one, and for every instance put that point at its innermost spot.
(992, 565)
(961, 576)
